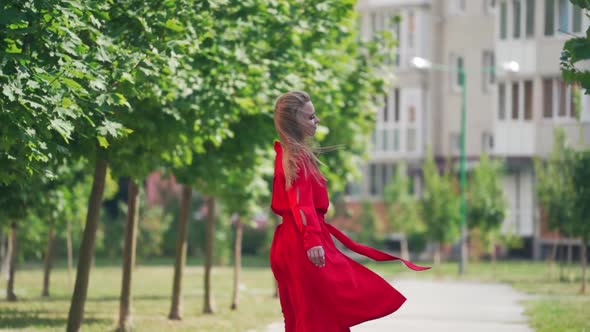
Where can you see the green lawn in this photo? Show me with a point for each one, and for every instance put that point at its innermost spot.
(556, 307)
(152, 285)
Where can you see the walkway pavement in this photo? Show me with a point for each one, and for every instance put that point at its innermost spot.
(454, 306)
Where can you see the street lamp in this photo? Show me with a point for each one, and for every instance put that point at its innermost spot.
(421, 63)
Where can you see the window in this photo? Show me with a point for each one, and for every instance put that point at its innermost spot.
(561, 97)
(397, 36)
(374, 140)
(502, 101)
(385, 138)
(547, 98)
(515, 101)
(516, 14)
(457, 6)
(488, 6)
(396, 104)
(487, 142)
(411, 29)
(395, 139)
(530, 18)
(577, 19)
(411, 114)
(385, 108)
(489, 71)
(563, 15)
(411, 139)
(373, 179)
(373, 23)
(549, 17)
(384, 178)
(528, 100)
(503, 21)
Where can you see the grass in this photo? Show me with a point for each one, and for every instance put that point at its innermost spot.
(555, 306)
(152, 286)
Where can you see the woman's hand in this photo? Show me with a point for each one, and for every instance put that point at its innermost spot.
(316, 256)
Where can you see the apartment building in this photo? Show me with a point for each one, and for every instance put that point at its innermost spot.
(509, 50)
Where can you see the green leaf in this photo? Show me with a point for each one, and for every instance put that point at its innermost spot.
(72, 84)
(174, 25)
(102, 141)
(10, 16)
(64, 128)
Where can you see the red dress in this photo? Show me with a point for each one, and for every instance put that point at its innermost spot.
(337, 296)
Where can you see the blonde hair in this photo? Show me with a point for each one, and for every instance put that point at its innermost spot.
(297, 151)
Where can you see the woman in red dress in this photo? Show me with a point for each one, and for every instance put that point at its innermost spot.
(320, 288)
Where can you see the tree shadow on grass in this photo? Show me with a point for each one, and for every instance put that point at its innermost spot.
(106, 298)
(21, 319)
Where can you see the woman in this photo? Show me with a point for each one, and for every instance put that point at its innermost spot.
(320, 289)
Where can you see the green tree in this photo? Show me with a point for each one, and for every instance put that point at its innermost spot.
(440, 207)
(402, 207)
(575, 50)
(555, 187)
(486, 201)
(368, 222)
(581, 211)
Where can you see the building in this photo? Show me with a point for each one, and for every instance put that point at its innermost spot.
(510, 114)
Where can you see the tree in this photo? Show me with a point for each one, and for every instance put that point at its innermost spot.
(575, 50)
(486, 201)
(555, 189)
(581, 211)
(402, 208)
(368, 222)
(14, 204)
(440, 206)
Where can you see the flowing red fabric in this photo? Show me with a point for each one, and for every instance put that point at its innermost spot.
(339, 295)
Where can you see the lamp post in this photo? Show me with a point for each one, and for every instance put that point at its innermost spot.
(421, 63)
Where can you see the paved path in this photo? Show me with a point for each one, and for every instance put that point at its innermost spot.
(454, 306)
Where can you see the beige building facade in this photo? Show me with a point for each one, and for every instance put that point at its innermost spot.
(511, 114)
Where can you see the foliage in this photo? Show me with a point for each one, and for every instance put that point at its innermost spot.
(367, 219)
(440, 204)
(581, 188)
(402, 207)
(486, 203)
(576, 50)
(555, 186)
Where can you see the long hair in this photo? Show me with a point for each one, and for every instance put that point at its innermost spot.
(297, 151)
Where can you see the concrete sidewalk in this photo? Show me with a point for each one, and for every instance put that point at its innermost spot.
(454, 306)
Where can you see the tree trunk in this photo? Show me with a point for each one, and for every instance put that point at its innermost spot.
(493, 252)
(70, 251)
(561, 263)
(209, 245)
(570, 274)
(176, 309)
(48, 260)
(76, 313)
(128, 255)
(437, 249)
(551, 259)
(12, 247)
(584, 258)
(404, 248)
(3, 259)
(237, 262)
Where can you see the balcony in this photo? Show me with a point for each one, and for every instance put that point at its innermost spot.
(514, 139)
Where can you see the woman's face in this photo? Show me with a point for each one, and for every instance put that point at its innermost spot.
(308, 119)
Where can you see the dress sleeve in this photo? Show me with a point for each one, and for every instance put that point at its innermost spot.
(301, 199)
